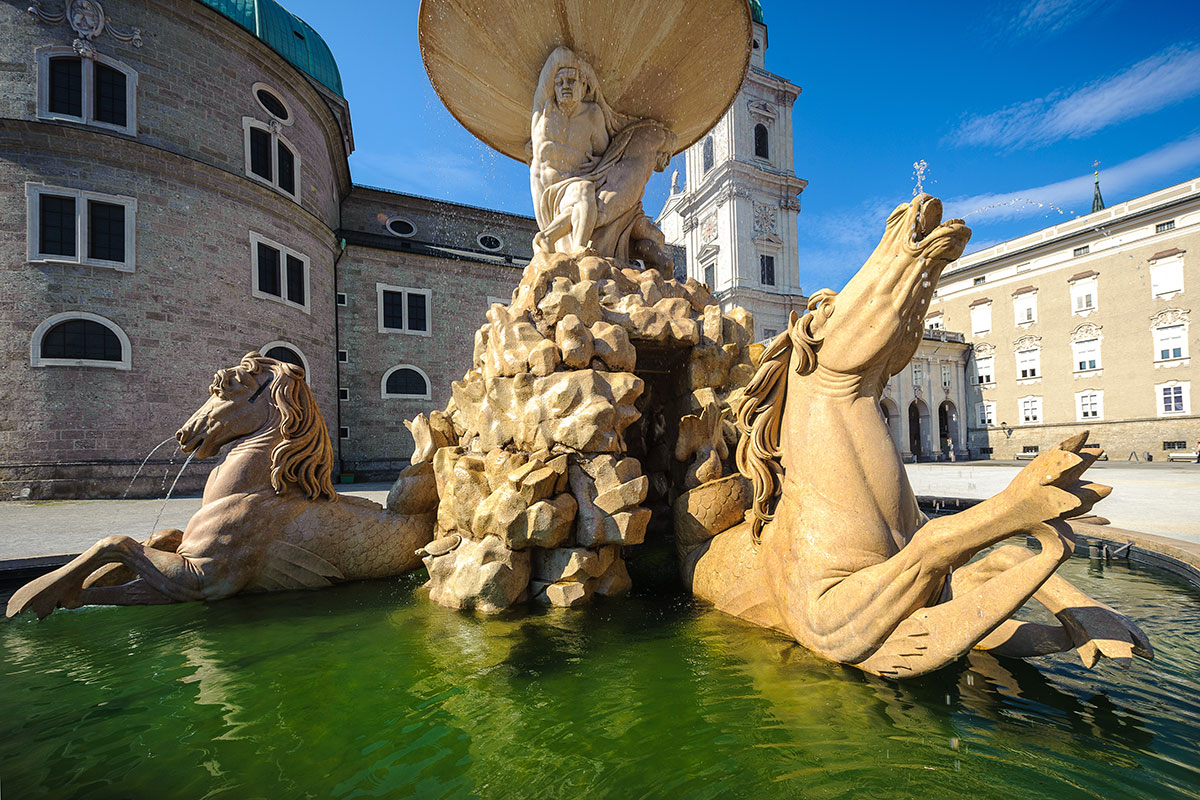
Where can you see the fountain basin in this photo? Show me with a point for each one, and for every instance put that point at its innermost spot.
(368, 689)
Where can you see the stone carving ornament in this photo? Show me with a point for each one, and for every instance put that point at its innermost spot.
(88, 20)
(1088, 330)
(1028, 343)
(1170, 316)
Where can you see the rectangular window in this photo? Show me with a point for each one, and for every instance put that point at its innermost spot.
(1087, 354)
(986, 413)
(79, 227)
(1169, 342)
(109, 85)
(1031, 410)
(1163, 227)
(280, 273)
(985, 451)
(341, 299)
(343, 432)
(343, 394)
(66, 86)
(106, 231)
(981, 279)
(343, 356)
(1029, 364)
(1089, 406)
(1083, 295)
(93, 91)
(946, 375)
(935, 323)
(918, 373)
(1025, 308)
(769, 334)
(984, 369)
(1082, 251)
(710, 275)
(1166, 277)
(766, 269)
(1031, 448)
(403, 310)
(270, 158)
(981, 318)
(1175, 445)
(260, 153)
(1172, 399)
(57, 225)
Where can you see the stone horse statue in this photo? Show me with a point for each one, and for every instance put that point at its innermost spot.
(270, 520)
(835, 552)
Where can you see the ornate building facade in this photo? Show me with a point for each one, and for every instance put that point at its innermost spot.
(736, 215)
(1083, 325)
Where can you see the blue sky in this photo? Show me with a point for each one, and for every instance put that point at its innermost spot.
(1007, 103)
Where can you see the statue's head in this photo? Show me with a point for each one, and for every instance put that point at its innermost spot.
(258, 395)
(568, 88)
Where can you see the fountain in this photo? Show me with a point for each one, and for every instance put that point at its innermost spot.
(610, 411)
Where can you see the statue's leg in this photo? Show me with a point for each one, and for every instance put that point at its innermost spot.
(135, 593)
(933, 637)
(168, 573)
(1087, 624)
(166, 540)
(582, 200)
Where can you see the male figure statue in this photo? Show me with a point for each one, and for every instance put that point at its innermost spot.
(589, 166)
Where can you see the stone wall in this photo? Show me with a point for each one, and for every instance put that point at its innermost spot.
(186, 306)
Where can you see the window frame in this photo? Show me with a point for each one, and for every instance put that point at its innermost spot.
(766, 142)
(34, 191)
(1085, 287)
(383, 392)
(985, 413)
(1098, 402)
(380, 288)
(1158, 345)
(1173, 264)
(35, 343)
(1163, 227)
(255, 240)
(763, 259)
(1077, 354)
(387, 226)
(88, 75)
(259, 86)
(1035, 402)
(479, 241)
(981, 309)
(272, 130)
(989, 373)
(1185, 398)
(1037, 361)
(1025, 301)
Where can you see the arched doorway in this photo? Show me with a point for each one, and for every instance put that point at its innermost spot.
(918, 429)
(947, 428)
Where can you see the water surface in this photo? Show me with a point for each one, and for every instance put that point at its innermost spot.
(368, 690)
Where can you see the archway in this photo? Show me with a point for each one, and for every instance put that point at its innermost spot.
(918, 429)
(948, 428)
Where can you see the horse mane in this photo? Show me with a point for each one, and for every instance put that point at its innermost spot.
(760, 412)
(304, 459)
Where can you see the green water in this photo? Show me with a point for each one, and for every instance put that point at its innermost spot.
(368, 690)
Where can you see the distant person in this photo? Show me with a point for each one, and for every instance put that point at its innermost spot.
(1198, 451)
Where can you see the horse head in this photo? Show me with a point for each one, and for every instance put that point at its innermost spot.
(874, 325)
(262, 395)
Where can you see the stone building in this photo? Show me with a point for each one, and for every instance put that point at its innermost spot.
(925, 403)
(736, 216)
(177, 194)
(1083, 325)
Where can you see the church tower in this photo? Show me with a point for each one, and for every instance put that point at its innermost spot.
(736, 216)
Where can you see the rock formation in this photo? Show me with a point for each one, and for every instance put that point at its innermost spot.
(601, 394)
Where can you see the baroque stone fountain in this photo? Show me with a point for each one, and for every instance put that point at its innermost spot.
(607, 390)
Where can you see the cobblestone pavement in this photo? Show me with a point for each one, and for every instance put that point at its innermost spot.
(1154, 498)
(1161, 498)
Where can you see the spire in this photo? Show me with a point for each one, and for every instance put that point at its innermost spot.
(1097, 200)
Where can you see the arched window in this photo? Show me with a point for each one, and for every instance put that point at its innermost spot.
(287, 353)
(406, 381)
(762, 147)
(708, 153)
(79, 339)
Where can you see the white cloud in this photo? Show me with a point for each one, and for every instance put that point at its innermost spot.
(1144, 173)
(1048, 16)
(1164, 79)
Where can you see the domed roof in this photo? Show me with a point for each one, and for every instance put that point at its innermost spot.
(756, 11)
(286, 34)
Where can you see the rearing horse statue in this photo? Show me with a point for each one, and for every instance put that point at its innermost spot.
(835, 552)
(270, 519)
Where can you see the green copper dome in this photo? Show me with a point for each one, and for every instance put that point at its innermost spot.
(756, 11)
(286, 34)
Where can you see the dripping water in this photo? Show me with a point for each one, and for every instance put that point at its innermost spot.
(143, 464)
(163, 507)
